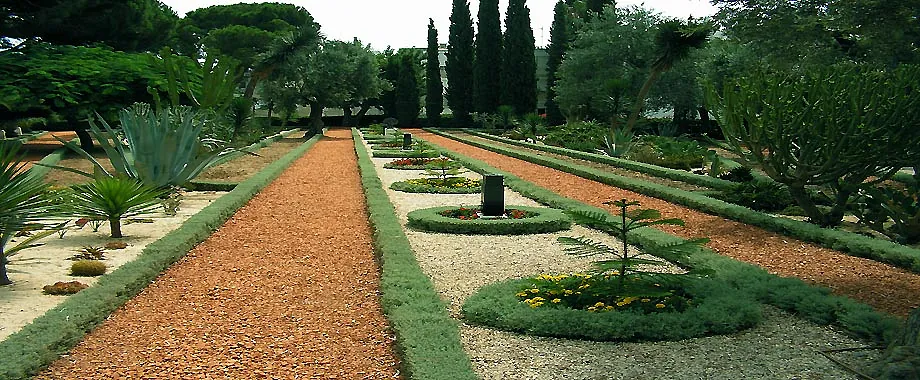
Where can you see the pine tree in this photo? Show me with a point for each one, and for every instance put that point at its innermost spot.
(558, 43)
(460, 63)
(519, 67)
(407, 94)
(434, 94)
(487, 65)
(597, 6)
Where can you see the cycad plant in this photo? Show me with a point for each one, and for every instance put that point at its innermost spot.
(114, 198)
(443, 171)
(24, 200)
(622, 263)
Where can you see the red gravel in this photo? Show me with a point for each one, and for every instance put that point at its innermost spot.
(286, 289)
(883, 286)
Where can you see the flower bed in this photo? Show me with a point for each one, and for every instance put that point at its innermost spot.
(538, 220)
(449, 185)
(398, 153)
(418, 163)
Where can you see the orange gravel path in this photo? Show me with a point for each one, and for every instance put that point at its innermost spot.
(286, 289)
(885, 287)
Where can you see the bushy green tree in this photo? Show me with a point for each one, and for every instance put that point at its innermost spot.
(460, 62)
(519, 66)
(837, 127)
(559, 39)
(407, 94)
(487, 64)
(434, 90)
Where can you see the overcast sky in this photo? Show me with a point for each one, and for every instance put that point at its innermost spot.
(404, 23)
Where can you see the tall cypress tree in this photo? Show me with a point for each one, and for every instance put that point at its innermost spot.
(519, 67)
(434, 94)
(487, 65)
(407, 104)
(460, 63)
(559, 38)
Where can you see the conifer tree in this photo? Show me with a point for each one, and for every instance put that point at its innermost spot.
(407, 94)
(519, 68)
(559, 38)
(487, 65)
(434, 94)
(460, 63)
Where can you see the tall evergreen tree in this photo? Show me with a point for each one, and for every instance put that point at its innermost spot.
(460, 63)
(597, 6)
(434, 94)
(407, 94)
(487, 65)
(559, 38)
(519, 67)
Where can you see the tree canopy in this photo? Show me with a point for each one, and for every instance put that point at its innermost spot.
(460, 62)
(519, 66)
(487, 63)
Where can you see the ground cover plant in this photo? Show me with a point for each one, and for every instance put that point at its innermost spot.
(443, 177)
(416, 163)
(447, 219)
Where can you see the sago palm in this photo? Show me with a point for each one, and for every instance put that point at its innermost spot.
(114, 198)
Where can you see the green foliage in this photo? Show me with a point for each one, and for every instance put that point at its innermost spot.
(559, 40)
(448, 185)
(61, 288)
(618, 143)
(209, 86)
(418, 163)
(114, 198)
(407, 95)
(518, 65)
(88, 268)
(531, 123)
(487, 64)
(890, 211)
(760, 196)
(544, 220)
(443, 169)
(392, 153)
(239, 113)
(426, 336)
(585, 136)
(434, 89)
(738, 174)
(460, 62)
(668, 152)
(838, 127)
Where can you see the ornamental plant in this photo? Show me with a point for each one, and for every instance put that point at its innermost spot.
(443, 171)
(114, 198)
(465, 213)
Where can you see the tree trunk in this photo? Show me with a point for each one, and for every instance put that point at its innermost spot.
(316, 117)
(704, 119)
(4, 278)
(902, 358)
(251, 86)
(804, 201)
(115, 224)
(86, 141)
(271, 107)
(361, 113)
(346, 117)
(640, 99)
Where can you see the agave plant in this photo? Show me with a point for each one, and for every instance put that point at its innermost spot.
(24, 200)
(164, 148)
(114, 198)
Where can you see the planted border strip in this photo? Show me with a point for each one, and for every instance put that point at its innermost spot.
(58, 330)
(812, 303)
(846, 242)
(544, 220)
(394, 153)
(427, 338)
(257, 145)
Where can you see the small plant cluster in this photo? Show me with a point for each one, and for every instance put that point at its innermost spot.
(89, 253)
(61, 288)
(88, 268)
(738, 174)
(597, 293)
(465, 213)
(669, 152)
(418, 163)
(890, 211)
(761, 196)
(451, 182)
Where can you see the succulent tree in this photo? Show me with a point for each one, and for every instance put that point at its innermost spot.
(114, 198)
(838, 127)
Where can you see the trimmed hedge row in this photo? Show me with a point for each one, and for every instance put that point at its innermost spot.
(717, 310)
(427, 339)
(58, 330)
(847, 242)
(211, 186)
(545, 220)
(407, 187)
(793, 295)
(395, 153)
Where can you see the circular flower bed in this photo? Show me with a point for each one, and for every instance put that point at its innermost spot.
(420, 163)
(449, 185)
(522, 220)
(698, 307)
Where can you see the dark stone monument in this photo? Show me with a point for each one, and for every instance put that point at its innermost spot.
(493, 195)
(407, 141)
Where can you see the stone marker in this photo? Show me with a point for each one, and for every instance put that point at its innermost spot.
(407, 141)
(493, 195)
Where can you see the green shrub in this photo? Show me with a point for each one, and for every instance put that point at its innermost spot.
(393, 153)
(450, 185)
(668, 152)
(419, 163)
(88, 268)
(760, 196)
(584, 136)
(543, 220)
(738, 174)
(114, 198)
(61, 288)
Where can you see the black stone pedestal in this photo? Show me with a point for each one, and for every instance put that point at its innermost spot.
(493, 195)
(407, 141)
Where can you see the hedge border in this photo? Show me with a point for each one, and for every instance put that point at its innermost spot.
(812, 303)
(716, 310)
(846, 242)
(547, 220)
(427, 338)
(405, 154)
(58, 330)
(406, 187)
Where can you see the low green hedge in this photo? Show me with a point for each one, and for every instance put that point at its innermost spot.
(847, 242)
(409, 187)
(718, 309)
(396, 153)
(427, 339)
(26, 352)
(812, 303)
(545, 220)
(211, 186)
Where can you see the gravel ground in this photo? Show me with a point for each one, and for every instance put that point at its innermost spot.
(782, 347)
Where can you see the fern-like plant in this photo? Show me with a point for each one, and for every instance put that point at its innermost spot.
(623, 262)
(114, 198)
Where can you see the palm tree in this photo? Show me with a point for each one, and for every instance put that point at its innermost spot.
(24, 200)
(674, 41)
(283, 51)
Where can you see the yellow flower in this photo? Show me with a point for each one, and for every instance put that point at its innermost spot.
(659, 305)
(608, 308)
(568, 292)
(556, 300)
(521, 294)
(646, 300)
(599, 304)
(584, 286)
(536, 305)
(592, 308)
(535, 290)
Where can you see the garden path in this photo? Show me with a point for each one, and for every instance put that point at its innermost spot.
(287, 288)
(885, 287)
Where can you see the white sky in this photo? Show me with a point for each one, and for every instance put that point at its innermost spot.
(404, 23)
